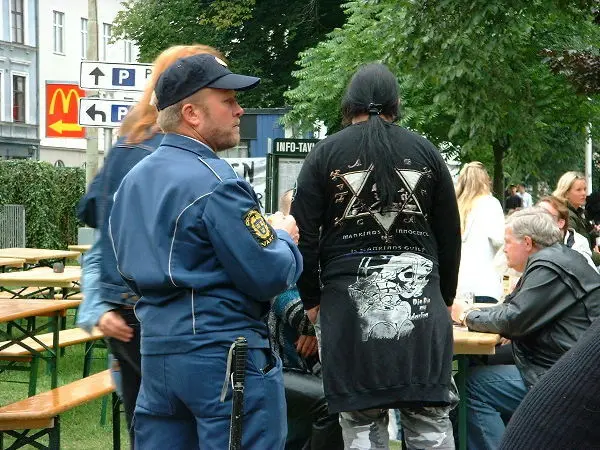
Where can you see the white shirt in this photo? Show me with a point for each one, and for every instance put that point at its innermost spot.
(527, 201)
(581, 245)
(483, 235)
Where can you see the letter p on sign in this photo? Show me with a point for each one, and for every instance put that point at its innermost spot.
(123, 77)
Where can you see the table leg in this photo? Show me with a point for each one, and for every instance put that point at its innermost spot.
(461, 382)
(56, 349)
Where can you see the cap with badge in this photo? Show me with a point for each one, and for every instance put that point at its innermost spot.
(188, 75)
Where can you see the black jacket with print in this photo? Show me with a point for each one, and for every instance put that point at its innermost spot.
(383, 278)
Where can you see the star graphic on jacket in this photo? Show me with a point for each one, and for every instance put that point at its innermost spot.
(365, 203)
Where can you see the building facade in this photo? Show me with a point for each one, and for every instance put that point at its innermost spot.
(63, 31)
(19, 61)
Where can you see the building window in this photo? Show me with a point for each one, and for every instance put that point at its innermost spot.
(84, 37)
(106, 35)
(59, 32)
(128, 50)
(18, 98)
(16, 18)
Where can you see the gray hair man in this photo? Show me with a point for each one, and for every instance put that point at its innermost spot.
(551, 306)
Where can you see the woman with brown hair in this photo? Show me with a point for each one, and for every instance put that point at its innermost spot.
(111, 306)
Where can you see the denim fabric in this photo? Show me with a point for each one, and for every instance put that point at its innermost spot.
(493, 394)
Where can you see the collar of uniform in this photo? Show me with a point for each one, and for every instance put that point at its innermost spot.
(188, 144)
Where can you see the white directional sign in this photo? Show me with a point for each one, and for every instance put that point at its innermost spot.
(114, 76)
(97, 112)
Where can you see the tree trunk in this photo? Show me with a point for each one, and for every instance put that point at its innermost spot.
(499, 148)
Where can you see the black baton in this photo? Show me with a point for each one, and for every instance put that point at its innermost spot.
(238, 373)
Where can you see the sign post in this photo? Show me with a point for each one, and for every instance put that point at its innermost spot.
(105, 113)
(283, 166)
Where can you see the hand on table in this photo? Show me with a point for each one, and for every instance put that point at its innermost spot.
(458, 308)
(113, 325)
(306, 345)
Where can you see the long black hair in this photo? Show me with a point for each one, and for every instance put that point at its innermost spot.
(373, 90)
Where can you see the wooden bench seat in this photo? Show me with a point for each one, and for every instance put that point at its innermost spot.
(72, 336)
(42, 410)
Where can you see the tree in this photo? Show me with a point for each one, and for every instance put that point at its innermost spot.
(472, 72)
(259, 37)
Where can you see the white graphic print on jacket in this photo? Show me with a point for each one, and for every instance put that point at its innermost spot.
(383, 289)
(365, 201)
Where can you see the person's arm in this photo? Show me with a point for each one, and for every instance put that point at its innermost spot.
(92, 307)
(541, 298)
(288, 308)
(260, 261)
(307, 208)
(445, 223)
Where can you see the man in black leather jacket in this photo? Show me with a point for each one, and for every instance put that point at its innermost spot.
(554, 302)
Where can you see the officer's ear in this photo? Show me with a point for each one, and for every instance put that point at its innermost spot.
(191, 113)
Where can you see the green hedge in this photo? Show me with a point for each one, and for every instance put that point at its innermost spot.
(49, 194)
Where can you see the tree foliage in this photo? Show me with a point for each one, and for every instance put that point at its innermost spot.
(259, 37)
(49, 195)
(472, 72)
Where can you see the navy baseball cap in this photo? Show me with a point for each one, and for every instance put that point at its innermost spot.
(190, 74)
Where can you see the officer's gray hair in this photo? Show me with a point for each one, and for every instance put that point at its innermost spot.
(536, 223)
(169, 118)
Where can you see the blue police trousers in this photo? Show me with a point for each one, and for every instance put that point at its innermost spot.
(178, 406)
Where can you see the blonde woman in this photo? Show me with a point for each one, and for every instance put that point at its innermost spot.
(572, 189)
(482, 230)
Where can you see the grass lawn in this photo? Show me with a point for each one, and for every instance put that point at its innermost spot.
(80, 427)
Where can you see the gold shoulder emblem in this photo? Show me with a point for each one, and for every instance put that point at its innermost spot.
(259, 227)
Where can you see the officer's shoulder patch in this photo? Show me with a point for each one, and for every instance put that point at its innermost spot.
(258, 227)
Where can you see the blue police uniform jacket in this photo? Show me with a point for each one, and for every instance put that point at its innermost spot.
(190, 241)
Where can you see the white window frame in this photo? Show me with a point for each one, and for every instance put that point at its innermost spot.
(2, 96)
(105, 40)
(14, 73)
(58, 28)
(128, 53)
(83, 38)
(10, 26)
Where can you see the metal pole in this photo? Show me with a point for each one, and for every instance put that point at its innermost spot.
(588, 158)
(91, 152)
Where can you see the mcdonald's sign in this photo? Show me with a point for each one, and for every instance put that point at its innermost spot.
(62, 110)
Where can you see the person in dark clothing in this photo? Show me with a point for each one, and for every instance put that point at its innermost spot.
(380, 238)
(553, 304)
(112, 308)
(513, 201)
(562, 410)
(292, 336)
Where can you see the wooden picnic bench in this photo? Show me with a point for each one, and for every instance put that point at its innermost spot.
(28, 350)
(16, 263)
(38, 256)
(81, 248)
(44, 279)
(42, 412)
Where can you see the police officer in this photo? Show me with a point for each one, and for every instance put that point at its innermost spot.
(190, 239)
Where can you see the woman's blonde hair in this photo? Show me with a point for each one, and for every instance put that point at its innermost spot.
(565, 183)
(473, 182)
(140, 122)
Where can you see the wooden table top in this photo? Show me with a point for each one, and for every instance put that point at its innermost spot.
(41, 277)
(13, 309)
(35, 255)
(11, 262)
(80, 248)
(473, 343)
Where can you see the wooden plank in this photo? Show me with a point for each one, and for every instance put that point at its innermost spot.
(35, 255)
(12, 262)
(52, 403)
(79, 248)
(29, 424)
(473, 343)
(42, 277)
(13, 309)
(72, 336)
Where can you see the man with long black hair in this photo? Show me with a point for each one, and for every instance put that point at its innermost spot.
(380, 238)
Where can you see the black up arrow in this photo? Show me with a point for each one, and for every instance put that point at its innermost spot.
(96, 73)
(91, 111)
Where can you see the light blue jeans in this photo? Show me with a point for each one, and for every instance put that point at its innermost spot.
(493, 394)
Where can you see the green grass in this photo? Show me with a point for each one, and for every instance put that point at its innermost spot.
(80, 427)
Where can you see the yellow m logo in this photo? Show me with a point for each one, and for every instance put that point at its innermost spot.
(66, 99)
